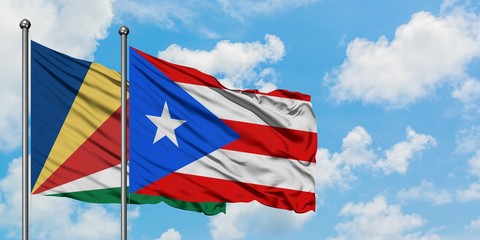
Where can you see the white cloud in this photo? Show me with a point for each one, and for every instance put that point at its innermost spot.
(355, 150)
(242, 9)
(468, 94)
(468, 140)
(11, 198)
(244, 219)
(169, 13)
(471, 231)
(72, 27)
(337, 169)
(448, 5)
(470, 194)
(331, 171)
(425, 191)
(164, 13)
(474, 163)
(52, 217)
(420, 236)
(398, 157)
(473, 226)
(170, 234)
(411, 66)
(55, 218)
(202, 16)
(235, 64)
(133, 212)
(378, 220)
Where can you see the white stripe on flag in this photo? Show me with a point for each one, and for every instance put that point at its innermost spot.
(253, 168)
(107, 178)
(254, 108)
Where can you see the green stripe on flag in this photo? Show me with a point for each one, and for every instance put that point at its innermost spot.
(112, 195)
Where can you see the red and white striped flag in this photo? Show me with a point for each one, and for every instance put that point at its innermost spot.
(194, 140)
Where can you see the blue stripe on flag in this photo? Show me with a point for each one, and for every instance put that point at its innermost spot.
(56, 79)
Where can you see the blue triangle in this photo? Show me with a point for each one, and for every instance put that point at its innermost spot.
(201, 134)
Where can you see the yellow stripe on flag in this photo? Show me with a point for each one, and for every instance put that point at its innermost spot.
(97, 99)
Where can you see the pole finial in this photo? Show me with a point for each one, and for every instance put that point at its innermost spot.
(25, 24)
(123, 30)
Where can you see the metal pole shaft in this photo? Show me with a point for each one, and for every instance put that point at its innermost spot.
(25, 26)
(123, 31)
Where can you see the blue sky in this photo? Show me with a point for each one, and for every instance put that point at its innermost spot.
(395, 89)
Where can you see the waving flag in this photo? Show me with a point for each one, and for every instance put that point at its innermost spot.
(193, 139)
(76, 132)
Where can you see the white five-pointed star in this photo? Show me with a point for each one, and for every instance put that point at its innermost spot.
(165, 125)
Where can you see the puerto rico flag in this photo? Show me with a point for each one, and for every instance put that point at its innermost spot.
(194, 140)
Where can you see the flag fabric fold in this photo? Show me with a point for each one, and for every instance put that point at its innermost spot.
(193, 139)
(75, 132)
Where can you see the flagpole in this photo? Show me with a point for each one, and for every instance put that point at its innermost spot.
(25, 26)
(123, 31)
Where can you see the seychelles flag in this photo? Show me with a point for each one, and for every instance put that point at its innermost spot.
(75, 134)
(194, 140)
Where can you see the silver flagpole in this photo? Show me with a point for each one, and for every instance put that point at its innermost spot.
(123, 31)
(25, 26)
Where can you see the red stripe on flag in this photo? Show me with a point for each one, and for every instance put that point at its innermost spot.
(187, 187)
(273, 141)
(100, 151)
(179, 73)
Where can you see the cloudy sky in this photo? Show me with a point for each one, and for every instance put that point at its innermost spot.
(395, 88)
